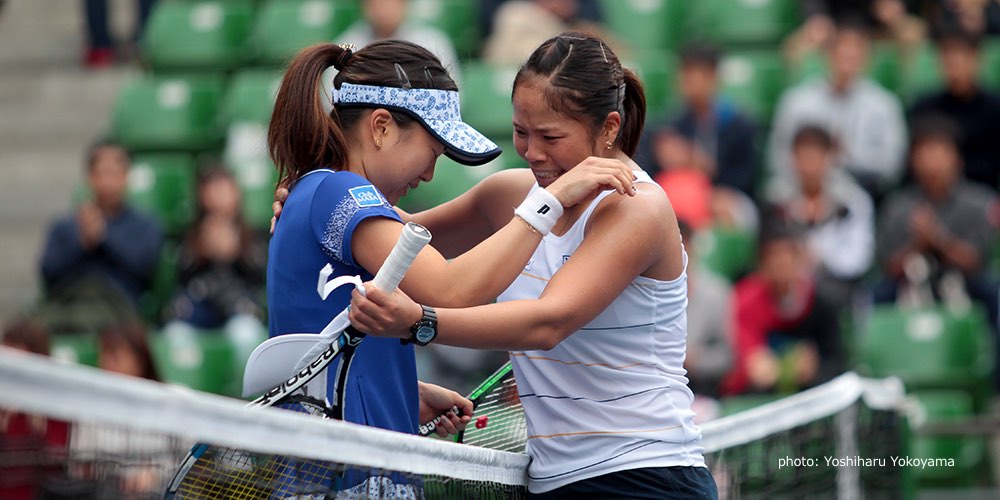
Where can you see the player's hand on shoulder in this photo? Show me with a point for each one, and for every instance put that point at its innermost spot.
(591, 176)
(383, 314)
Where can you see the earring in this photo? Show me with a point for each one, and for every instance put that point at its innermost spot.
(609, 144)
(378, 143)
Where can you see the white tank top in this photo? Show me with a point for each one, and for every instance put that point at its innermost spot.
(613, 396)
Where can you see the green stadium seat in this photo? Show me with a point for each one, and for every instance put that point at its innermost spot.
(753, 80)
(921, 73)
(658, 72)
(163, 184)
(204, 361)
(646, 24)
(967, 452)
(159, 113)
(283, 27)
(485, 97)
(452, 179)
(257, 179)
(733, 22)
(78, 348)
(730, 253)
(929, 349)
(197, 35)
(459, 19)
(883, 67)
(250, 96)
(989, 63)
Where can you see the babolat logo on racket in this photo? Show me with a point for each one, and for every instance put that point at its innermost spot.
(366, 196)
(292, 383)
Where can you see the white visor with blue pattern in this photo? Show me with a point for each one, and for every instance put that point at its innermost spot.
(437, 110)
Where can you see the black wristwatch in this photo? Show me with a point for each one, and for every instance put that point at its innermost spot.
(426, 330)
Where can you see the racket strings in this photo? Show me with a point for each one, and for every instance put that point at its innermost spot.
(499, 422)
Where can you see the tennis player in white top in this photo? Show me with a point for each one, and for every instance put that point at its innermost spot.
(596, 322)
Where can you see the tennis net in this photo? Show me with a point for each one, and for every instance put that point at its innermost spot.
(84, 433)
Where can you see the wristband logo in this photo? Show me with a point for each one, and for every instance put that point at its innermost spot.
(544, 210)
(366, 196)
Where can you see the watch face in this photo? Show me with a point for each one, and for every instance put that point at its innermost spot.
(425, 333)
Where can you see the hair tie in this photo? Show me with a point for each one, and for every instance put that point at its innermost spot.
(345, 56)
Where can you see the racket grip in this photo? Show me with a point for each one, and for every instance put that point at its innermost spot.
(429, 428)
(413, 239)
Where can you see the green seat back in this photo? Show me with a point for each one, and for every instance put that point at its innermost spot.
(76, 348)
(205, 364)
(250, 96)
(989, 63)
(884, 66)
(459, 19)
(752, 79)
(926, 348)
(485, 97)
(257, 178)
(646, 24)
(730, 253)
(197, 35)
(658, 72)
(967, 452)
(734, 22)
(169, 113)
(163, 184)
(283, 27)
(921, 73)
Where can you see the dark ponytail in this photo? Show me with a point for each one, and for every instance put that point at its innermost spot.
(586, 82)
(635, 113)
(303, 136)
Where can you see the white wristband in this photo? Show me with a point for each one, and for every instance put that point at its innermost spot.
(541, 209)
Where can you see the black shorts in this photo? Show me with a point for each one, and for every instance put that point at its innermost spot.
(657, 483)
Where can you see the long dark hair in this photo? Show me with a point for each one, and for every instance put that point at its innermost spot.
(303, 137)
(586, 81)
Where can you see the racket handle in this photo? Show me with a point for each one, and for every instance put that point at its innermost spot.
(429, 428)
(410, 243)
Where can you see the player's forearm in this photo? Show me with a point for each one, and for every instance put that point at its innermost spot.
(514, 325)
(479, 275)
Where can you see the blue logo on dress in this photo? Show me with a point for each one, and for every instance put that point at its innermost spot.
(366, 196)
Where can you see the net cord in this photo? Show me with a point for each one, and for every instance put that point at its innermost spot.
(799, 409)
(39, 385)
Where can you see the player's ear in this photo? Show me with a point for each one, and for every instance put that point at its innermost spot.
(379, 124)
(609, 130)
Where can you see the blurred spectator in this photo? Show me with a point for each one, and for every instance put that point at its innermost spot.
(786, 336)
(723, 134)
(709, 351)
(981, 17)
(100, 45)
(889, 19)
(98, 261)
(520, 26)
(124, 349)
(935, 236)
(586, 10)
(384, 19)
(838, 214)
(33, 447)
(975, 110)
(866, 118)
(222, 263)
(684, 177)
